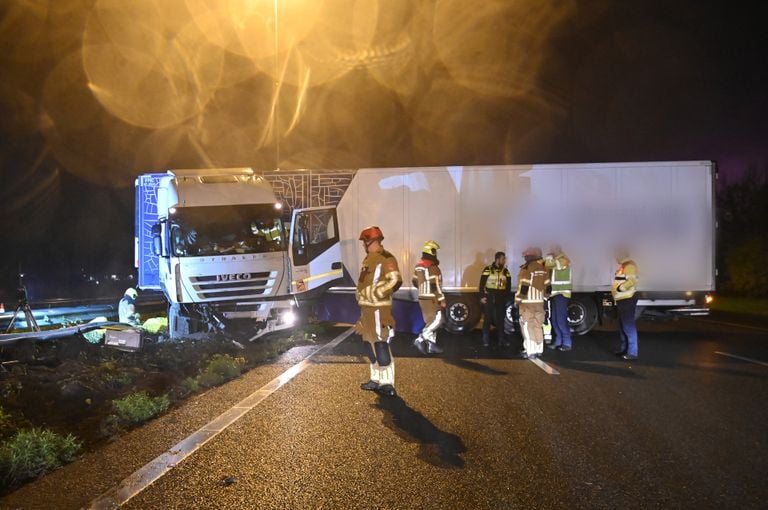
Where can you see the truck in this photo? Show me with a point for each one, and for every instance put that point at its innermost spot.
(662, 211)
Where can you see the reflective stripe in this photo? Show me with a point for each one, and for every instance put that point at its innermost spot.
(375, 372)
(429, 331)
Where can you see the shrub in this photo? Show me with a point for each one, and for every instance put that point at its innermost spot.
(32, 452)
(137, 408)
(220, 368)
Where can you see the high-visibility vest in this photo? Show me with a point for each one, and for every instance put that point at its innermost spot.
(625, 280)
(497, 278)
(560, 275)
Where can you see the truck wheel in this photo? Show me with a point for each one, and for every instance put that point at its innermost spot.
(582, 314)
(462, 314)
(511, 317)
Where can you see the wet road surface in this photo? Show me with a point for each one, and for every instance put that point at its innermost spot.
(685, 426)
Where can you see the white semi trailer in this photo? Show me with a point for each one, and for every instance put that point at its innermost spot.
(662, 211)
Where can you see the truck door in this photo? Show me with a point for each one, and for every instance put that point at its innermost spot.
(315, 248)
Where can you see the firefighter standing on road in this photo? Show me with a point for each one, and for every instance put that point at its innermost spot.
(379, 279)
(495, 290)
(623, 292)
(532, 289)
(428, 280)
(560, 278)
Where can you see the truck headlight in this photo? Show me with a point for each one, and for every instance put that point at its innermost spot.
(709, 298)
(288, 317)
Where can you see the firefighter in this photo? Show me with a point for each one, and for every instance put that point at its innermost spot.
(560, 279)
(623, 292)
(532, 289)
(428, 279)
(126, 308)
(495, 290)
(379, 279)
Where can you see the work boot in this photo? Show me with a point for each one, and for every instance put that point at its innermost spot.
(433, 348)
(419, 343)
(387, 390)
(370, 386)
(552, 346)
(563, 348)
(523, 355)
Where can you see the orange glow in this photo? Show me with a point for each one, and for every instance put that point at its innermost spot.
(140, 85)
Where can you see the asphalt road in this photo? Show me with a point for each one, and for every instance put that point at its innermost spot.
(684, 427)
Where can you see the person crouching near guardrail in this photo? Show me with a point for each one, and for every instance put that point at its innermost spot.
(532, 289)
(126, 308)
(379, 280)
(623, 292)
(428, 280)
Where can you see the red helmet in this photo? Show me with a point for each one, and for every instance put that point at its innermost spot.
(371, 233)
(532, 251)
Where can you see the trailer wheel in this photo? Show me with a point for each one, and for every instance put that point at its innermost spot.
(462, 314)
(511, 317)
(582, 314)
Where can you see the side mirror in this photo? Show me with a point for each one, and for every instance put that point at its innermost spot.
(156, 239)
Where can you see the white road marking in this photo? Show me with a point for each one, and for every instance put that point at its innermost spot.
(548, 369)
(742, 358)
(155, 469)
(733, 324)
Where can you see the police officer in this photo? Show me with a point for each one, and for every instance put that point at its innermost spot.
(126, 308)
(532, 289)
(623, 292)
(379, 279)
(428, 280)
(495, 290)
(560, 279)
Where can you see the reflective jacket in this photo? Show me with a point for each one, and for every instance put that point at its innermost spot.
(559, 274)
(495, 279)
(428, 279)
(532, 283)
(379, 279)
(625, 280)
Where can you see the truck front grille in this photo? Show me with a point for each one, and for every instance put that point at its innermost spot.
(234, 286)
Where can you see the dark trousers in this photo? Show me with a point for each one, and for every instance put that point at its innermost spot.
(493, 312)
(627, 328)
(559, 310)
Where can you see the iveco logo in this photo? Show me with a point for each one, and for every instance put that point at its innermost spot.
(233, 277)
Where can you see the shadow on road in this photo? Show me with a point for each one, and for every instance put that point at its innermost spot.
(439, 448)
(472, 365)
(594, 368)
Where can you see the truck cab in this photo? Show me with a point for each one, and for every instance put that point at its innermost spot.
(216, 243)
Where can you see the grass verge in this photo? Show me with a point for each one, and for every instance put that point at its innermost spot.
(137, 408)
(31, 452)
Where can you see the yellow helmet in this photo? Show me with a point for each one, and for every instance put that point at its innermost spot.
(430, 247)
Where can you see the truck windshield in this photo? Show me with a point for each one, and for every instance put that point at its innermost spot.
(227, 229)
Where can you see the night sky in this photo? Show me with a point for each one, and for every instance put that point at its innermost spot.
(93, 93)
